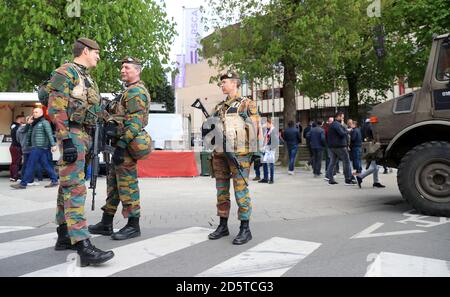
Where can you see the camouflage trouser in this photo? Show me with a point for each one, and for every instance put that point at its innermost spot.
(223, 170)
(123, 187)
(72, 189)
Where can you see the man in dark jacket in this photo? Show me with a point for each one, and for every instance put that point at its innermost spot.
(317, 140)
(15, 149)
(292, 138)
(355, 146)
(338, 142)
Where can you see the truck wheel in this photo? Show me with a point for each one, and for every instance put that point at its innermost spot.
(424, 178)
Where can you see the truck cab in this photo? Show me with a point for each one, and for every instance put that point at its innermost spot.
(412, 133)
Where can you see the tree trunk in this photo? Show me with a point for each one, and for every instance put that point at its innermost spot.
(290, 108)
(352, 81)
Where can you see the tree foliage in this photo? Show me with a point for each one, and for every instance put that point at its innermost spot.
(37, 36)
(326, 45)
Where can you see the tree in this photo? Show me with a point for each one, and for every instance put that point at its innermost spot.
(265, 35)
(411, 27)
(37, 36)
(164, 93)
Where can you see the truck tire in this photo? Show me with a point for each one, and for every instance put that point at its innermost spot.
(424, 178)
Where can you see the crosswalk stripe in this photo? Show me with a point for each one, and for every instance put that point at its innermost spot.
(131, 255)
(6, 229)
(28, 244)
(271, 258)
(400, 265)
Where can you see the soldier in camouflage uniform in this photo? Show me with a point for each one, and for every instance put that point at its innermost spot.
(129, 116)
(240, 123)
(74, 106)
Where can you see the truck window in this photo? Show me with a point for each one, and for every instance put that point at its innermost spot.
(443, 69)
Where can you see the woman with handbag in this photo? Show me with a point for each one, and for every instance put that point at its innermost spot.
(270, 145)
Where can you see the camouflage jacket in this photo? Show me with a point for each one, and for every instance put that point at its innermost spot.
(73, 97)
(130, 112)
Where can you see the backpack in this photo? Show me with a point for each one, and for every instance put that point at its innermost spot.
(43, 92)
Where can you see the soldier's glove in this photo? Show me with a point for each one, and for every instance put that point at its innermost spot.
(118, 156)
(69, 151)
(111, 129)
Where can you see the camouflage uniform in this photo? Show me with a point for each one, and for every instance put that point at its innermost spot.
(74, 105)
(131, 113)
(233, 113)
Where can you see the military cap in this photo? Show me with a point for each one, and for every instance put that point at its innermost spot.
(92, 44)
(229, 75)
(131, 60)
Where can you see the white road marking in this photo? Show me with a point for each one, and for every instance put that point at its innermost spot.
(6, 229)
(130, 255)
(28, 244)
(399, 265)
(271, 258)
(420, 221)
(368, 232)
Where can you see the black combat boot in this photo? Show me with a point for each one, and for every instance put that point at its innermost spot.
(63, 241)
(104, 227)
(89, 254)
(130, 230)
(244, 234)
(221, 231)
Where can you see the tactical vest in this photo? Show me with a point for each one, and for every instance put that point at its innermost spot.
(117, 107)
(141, 146)
(84, 102)
(233, 116)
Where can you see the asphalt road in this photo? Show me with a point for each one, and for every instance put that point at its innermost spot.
(301, 226)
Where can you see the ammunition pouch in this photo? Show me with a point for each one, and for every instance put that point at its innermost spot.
(141, 146)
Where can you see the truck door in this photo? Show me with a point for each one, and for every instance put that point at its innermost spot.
(441, 81)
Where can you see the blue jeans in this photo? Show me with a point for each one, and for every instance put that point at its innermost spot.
(356, 158)
(337, 154)
(37, 172)
(266, 167)
(38, 155)
(292, 151)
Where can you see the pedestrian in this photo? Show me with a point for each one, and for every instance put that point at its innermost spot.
(22, 137)
(355, 146)
(292, 138)
(270, 147)
(300, 129)
(74, 108)
(233, 112)
(338, 143)
(129, 116)
(15, 150)
(317, 138)
(308, 145)
(372, 167)
(40, 137)
(257, 167)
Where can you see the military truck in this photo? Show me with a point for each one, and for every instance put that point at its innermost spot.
(412, 133)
